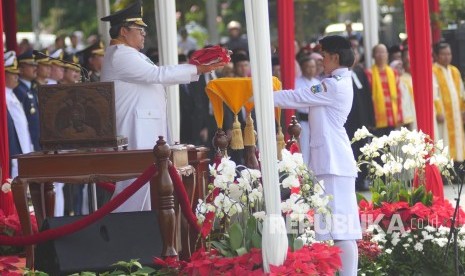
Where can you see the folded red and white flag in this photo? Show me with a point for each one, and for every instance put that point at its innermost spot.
(210, 55)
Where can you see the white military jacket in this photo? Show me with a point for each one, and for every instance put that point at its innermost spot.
(329, 104)
(139, 93)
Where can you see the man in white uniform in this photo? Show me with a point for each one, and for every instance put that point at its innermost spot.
(19, 137)
(331, 156)
(139, 89)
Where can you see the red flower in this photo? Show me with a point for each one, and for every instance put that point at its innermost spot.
(10, 264)
(295, 190)
(317, 259)
(294, 148)
(388, 209)
(367, 248)
(364, 205)
(420, 210)
(207, 224)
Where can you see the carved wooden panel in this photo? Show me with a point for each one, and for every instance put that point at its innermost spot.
(74, 116)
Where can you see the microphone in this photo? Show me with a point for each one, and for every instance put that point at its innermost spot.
(84, 72)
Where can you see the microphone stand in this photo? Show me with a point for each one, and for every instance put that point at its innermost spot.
(453, 232)
(84, 72)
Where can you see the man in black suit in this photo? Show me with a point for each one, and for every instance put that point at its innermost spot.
(361, 114)
(194, 106)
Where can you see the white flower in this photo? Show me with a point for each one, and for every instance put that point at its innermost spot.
(385, 155)
(227, 168)
(441, 242)
(260, 215)
(221, 182)
(395, 238)
(388, 250)
(361, 133)
(251, 175)
(409, 163)
(430, 228)
(235, 192)
(290, 181)
(418, 246)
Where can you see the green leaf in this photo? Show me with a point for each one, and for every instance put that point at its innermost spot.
(218, 245)
(147, 270)
(117, 273)
(136, 263)
(236, 236)
(418, 194)
(224, 249)
(428, 199)
(121, 263)
(256, 240)
(298, 244)
(404, 196)
(251, 227)
(375, 197)
(360, 197)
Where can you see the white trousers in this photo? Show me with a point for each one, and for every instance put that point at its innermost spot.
(343, 223)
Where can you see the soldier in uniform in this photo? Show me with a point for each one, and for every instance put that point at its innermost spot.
(72, 72)
(58, 67)
(139, 89)
(92, 59)
(19, 139)
(331, 156)
(44, 69)
(27, 95)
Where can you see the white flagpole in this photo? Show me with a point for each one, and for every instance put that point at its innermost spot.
(103, 9)
(274, 238)
(165, 14)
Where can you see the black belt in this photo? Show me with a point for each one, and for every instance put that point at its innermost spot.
(301, 116)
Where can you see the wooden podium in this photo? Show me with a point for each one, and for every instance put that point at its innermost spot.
(41, 170)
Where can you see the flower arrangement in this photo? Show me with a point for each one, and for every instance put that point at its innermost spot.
(233, 212)
(406, 228)
(394, 161)
(410, 245)
(395, 157)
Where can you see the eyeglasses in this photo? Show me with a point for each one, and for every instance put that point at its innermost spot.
(141, 29)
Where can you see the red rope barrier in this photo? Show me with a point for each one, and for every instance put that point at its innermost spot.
(183, 198)
(86, 221)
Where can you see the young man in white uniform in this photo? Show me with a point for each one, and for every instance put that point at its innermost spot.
(139, 89)
(331, 156)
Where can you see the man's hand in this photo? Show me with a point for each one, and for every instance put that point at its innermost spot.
(201, 69)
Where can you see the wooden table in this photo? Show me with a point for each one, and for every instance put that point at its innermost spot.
(86, 167)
